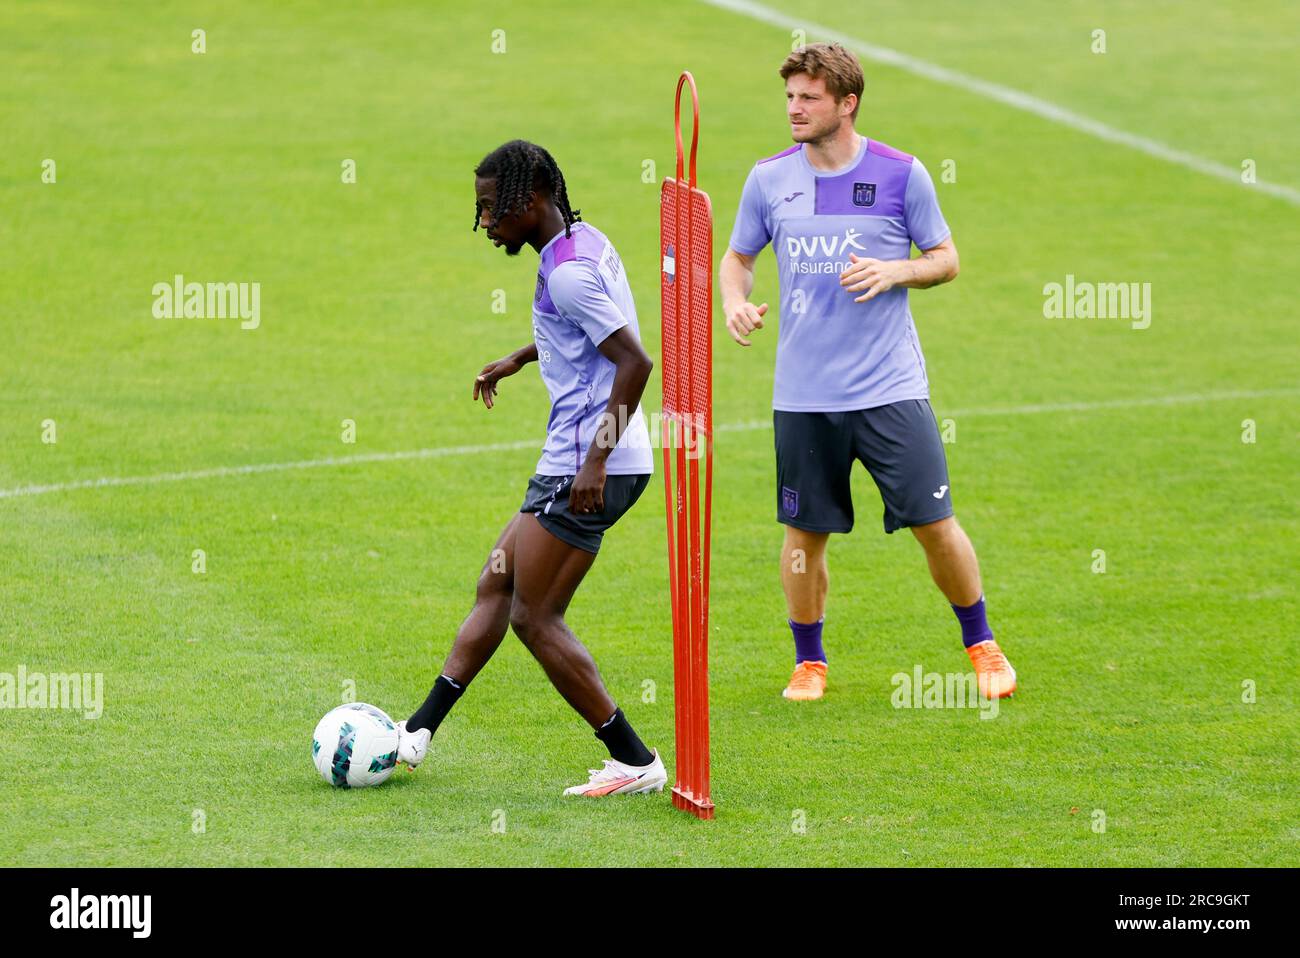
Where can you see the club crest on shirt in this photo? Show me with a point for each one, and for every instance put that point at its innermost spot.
(541, 287)
(790, 501)
(864, 194)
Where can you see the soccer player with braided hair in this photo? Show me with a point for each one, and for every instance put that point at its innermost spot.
(517, 166)
(595, 463)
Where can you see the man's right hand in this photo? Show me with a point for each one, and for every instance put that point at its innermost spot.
(743, 319)
(485, 383)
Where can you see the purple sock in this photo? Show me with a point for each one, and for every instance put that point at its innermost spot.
(807, 641)
(974, 623)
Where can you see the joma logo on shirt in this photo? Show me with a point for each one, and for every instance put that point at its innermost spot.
(827, 246)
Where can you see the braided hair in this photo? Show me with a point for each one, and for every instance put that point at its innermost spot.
(518, 167)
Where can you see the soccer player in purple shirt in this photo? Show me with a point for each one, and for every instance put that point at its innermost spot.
(595, 464)
(842, 213)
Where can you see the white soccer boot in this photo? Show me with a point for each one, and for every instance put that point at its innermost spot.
(615, 778)
(411, 746)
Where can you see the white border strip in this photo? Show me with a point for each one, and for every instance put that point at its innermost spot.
(439, 452)
(1006, 95)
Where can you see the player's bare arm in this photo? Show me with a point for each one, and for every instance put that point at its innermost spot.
(485, 383)
(934, 267)
(631, 373)
(736, 275)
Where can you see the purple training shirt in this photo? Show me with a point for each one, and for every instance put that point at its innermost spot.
(583, 297)
(834, 354)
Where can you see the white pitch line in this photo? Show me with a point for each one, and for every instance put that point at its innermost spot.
(218, 472)
(1008, 96)
(1126, 403)
(439, 452)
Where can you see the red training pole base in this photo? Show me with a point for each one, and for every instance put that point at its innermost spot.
(699, 807)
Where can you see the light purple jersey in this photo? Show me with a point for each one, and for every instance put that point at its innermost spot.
(582, 298)
(834, 354)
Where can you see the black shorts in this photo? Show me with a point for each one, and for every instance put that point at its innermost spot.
(898, 443)
(548, 499)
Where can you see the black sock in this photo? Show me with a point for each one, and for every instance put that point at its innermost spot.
(441, 698)
(623, 743)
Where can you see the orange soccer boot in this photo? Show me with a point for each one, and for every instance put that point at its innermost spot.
(807, 683)
(996, 677)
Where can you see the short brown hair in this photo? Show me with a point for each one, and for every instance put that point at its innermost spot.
(832, 63)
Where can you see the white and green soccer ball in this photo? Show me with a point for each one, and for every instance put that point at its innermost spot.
(355, 746)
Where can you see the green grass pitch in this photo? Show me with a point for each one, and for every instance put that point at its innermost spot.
(1072, 436)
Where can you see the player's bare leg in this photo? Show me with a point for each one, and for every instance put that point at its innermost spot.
(951, 556)
(806, 580)
(547, 576)
(804, 574)
(548, 572)
(477, 639)
(956, 572)
(481, 633)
